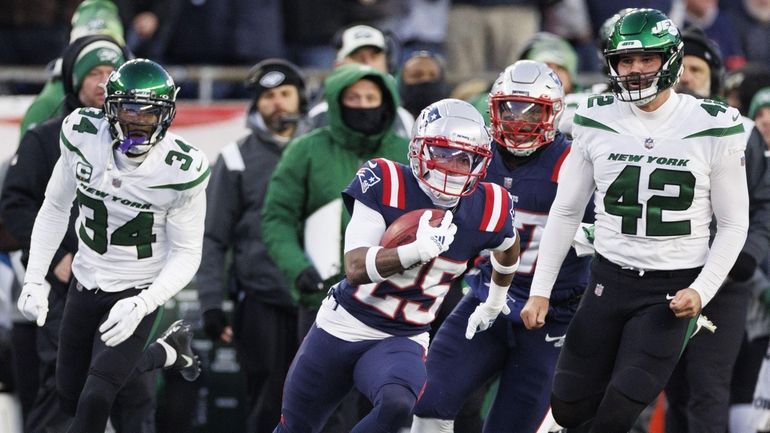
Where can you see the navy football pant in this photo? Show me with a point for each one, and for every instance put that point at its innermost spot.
(621, 347)
(389, 372)
(524, 359)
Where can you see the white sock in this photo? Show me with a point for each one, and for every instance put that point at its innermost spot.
(170, 353)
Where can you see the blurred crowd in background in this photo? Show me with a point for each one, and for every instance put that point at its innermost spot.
(474, 36)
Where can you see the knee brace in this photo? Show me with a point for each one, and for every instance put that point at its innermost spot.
(432, 425)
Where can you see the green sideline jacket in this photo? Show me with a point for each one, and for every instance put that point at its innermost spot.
(313, 171)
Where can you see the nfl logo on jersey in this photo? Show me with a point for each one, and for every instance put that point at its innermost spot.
(649, 143)
(599, 289)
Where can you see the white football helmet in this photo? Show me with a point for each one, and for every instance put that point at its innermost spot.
(525, 105)
(449, 151)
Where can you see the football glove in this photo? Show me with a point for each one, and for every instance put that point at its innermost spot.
(33, 302)
(431, 241)
(214, 322)
(744, 267)
(123, 319)
(483, 317)
(309, 281)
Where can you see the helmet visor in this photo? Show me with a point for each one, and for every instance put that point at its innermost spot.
(138, 114)
(521, 111)
(450, 160)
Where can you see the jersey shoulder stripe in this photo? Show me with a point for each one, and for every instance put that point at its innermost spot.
(591, 123)
(496, 205)
(185, 185)
(393, 191)
(71, 147)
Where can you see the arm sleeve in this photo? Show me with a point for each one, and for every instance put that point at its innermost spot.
(576, 185)
(184, 231)
(729, 201)
(223, 207)
(51, 222)
(365, 228)
(282, 213)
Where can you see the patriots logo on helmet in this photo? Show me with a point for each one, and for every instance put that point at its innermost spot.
(367, 178)
(433, 115)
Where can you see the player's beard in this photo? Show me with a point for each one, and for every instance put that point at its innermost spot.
(636, 82)
(280, 121)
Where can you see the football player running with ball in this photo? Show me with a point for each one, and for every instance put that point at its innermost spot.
(525, 104)
(141, 193)
(660, 164)
(372, 330)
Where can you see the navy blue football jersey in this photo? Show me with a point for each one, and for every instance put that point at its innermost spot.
(532, 186)
(406, 303)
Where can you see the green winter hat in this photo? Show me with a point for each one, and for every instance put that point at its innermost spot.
(95, 54)
(97, 17)
(554, 49)
(761, 99)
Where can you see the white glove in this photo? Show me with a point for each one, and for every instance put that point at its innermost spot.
(483, 317)
(33, 302)
(122, 321)
(430, 241)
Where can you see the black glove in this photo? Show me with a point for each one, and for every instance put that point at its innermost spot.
(744, 268)
(214, 322)
(308, 281)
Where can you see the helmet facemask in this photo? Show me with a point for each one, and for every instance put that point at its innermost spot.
(140, 105)
(525, 105)
(638, 88)
(138, 123)
(644, 32)
(523, 124)
(450, 169)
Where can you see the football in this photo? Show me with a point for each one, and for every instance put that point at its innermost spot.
(404, 229)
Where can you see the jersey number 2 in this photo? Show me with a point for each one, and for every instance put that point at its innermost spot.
(622, 199)
(137, 232)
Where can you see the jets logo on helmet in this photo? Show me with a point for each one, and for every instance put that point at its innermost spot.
(665, 26)
(644, 31)
(140, 105)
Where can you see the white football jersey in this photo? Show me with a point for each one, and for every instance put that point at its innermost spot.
(652, 176)
(122, 225)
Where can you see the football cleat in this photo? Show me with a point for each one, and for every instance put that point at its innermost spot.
(179, 336)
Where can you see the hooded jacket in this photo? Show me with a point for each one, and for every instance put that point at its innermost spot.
(234, 200)
(31, 167)
(314, 170)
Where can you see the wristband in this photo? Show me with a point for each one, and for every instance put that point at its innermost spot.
(502, 269)
(497, 294)
(408, 255)
(371, 265)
